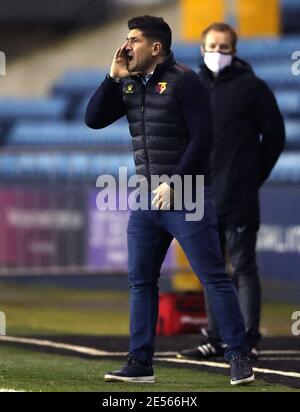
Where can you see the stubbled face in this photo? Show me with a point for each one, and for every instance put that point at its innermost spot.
(217, 41)
(140, 52)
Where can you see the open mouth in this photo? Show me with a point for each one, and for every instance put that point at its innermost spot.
(130, 58)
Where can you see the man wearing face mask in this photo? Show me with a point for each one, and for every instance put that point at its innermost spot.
(248, 139)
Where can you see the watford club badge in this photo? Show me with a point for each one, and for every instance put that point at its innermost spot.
(161, 87)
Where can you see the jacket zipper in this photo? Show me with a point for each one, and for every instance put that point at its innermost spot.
(144, 134)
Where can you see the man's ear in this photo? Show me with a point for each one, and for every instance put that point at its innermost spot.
(202, 50)
(156, 49)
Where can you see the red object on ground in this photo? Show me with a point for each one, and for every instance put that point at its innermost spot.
(181, 313)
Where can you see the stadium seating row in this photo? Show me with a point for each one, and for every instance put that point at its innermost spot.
(31, 167)
(287, 169)
(58, 134)
(77, 165)
(51, 108)
(115, 137)
(288, 101)
(55, 108)
(78, 82)
(279, 73)
(264, 49)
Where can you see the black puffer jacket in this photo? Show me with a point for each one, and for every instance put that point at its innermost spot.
(157, 128)
(248, 139)
(169, 119)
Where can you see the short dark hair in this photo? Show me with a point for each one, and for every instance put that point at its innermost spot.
(222, 27)
(153, 28)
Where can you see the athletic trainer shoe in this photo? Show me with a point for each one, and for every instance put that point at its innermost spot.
(207, 349)
(240, 369)
(134, 371)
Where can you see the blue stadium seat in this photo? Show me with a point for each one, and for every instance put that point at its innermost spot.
(7, 165)
(287, 169)
(289, 102)
(64, 134)
(187, 53)
(101, 164)
(257, 49)
(31, 167)
(268, 48)
(79, 82)
(32, 108)
(85, 166)
(271, 58)
(293, 134)
(79, 112)
(278, 76)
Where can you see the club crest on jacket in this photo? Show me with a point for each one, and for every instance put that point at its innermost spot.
(161, 87)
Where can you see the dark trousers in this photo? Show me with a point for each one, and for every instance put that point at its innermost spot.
(238, 243)
(150, 233)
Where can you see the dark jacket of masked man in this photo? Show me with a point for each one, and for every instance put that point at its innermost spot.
(249, 136)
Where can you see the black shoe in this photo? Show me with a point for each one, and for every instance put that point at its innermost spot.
(240, 369)
(207, 349)
(133, 371)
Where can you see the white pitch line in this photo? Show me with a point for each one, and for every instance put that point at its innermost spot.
(271, 358)
(260, 352)
(165, 353)
(9, 390)
(80, 349)
(225, 365)
(279, 352)
(58, 345)
(97, 352)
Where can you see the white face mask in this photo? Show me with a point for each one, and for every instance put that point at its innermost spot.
(216, 61)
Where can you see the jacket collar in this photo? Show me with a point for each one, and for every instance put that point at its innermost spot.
(166, 64)
(161, 67)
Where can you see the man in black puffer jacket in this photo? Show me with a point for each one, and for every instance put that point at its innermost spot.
(248, 139)
(169, 116)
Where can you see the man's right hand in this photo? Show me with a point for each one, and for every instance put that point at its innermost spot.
(119, 66)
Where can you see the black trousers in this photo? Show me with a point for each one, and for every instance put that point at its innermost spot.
(238, 244)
